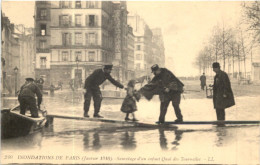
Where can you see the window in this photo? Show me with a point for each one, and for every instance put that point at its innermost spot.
(65, 20)
(91, 20)
(138, 47)
(65, 56)
(65, 4)
(43, 29)
(43, 13)
(66, 39)
(43, 62)
(139, 57)
(91, 56)
(78, 38)
(138, 66)
(42, 44)
(92, 39)
(78, 20)
(91, 4)
(78, 56)
(78, 4)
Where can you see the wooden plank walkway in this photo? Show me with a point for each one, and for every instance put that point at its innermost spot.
(50, 119)
(213, 122)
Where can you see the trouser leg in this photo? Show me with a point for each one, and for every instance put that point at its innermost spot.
(163, 110)
(87, 100)
(23, 106)
(97, 97)
(176, 105)
(220, 114)
(33, 107)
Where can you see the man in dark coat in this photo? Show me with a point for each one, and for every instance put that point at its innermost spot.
(222, 93)
(26, 97)
(171, 89)
(92, 88)
(203, 81)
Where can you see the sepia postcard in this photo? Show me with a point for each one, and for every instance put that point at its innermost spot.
(130, 82)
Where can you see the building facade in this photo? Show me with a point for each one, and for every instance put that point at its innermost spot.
(76, 37)
(130, 54)
(158, 47)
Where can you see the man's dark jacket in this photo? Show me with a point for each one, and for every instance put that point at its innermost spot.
(29, 90)
(97, 78)
(166, 79)
(222, 86)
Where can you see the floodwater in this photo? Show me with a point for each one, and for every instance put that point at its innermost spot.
(184, 144)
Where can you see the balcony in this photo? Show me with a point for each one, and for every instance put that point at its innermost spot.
(40, 50)
(74, 63)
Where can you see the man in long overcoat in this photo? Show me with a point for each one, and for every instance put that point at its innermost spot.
(203, 81)
(222, 93)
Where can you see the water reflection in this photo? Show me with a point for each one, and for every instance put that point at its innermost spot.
(31, 141)
(175, 143)
(128, 141)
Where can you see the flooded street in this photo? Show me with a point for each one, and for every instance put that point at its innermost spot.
(186, 143)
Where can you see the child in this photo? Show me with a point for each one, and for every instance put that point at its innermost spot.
(129, 103)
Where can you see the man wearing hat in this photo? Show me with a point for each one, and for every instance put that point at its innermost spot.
(172, 88)
(92, 83)
(26, 97)
(222, 93)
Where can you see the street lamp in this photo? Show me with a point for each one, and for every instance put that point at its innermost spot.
(16, 72)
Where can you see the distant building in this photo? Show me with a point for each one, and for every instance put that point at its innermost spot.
(9, 56)
(130, 54)
(143, 45)
(76, 37)
(158, 47)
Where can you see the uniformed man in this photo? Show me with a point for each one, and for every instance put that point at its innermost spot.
(222, 93)
(26, 97)
(203, 81)
(92, 88)
(172, 89)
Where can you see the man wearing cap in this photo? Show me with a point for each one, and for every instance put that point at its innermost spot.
(26, 97)
(92, 83)
(172, 89)
(203, 81)
(222, 93)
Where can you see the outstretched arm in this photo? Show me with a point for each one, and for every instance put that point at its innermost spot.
(114, 82)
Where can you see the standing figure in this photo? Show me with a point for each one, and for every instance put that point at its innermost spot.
(171, 88)
(129, 103)
(222, 93)
(92, 83)
(203, 81)
(60, 84)
(26, 97)
(52, 88)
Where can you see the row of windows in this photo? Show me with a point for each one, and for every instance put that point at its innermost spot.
(78, 4)
(90, 20)
(78, 56)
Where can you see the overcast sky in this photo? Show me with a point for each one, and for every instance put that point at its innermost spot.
(186, 25)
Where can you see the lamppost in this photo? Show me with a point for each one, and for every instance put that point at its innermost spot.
(16, 72)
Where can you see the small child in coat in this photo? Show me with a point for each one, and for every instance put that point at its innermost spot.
(129, 103)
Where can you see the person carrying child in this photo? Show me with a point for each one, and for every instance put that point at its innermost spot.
(129, 103)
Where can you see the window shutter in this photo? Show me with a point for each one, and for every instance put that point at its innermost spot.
(87, 20)
(63, 38)
(70, 20)
(96, 38)
(70, 39)
(96, 20)
(60, 4)
(87, 39)
(60, 19)
(96, 4)
(70, 4)
(87, 4)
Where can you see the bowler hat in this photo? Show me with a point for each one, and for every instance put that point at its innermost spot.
(215, 65)
(29, 79)
(154, 68)
(110, 66)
